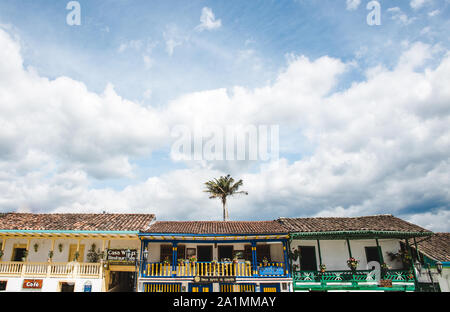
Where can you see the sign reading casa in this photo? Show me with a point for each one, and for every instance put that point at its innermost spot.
(32, 284)
(121, 256)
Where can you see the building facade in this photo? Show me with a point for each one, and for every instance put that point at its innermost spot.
(132, 252)
(215, 257)
(353, 254)
(70, 252)
(433, 267)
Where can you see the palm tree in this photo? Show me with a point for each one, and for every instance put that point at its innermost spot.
(222, 188)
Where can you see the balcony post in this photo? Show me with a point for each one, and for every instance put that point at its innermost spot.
(144, 246)
(412, 262)
(174, 258)
(417, 250)
(380, 253)
(49, 266)
(28, 249)
(287, 270)
(320, 252)
(3, 246)
(254, 259)
(349, 249)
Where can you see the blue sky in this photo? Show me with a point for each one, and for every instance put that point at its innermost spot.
(155, 55)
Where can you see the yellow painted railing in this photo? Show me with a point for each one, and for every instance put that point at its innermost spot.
(45, 269)
(159, 269)
(199, 268)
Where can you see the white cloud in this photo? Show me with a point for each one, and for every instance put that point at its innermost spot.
(208, 20)
(417, 4)
(400, 17)
(434, 13)
(173, 38)
(353, 4)
(132, 44)
(378, 146)
(93, 132)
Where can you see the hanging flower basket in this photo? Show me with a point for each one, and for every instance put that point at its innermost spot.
(192, 259)
(323, 268)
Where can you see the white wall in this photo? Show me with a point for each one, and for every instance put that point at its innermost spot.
(335, 252)
(44, 246)
(50, 284)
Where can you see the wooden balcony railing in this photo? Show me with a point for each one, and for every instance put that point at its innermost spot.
(45, 269)
(215, 269)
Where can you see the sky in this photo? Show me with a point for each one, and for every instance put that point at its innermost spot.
(90, 110)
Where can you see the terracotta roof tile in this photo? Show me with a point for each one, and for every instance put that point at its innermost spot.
(75, 222)
(436, 246)
(369, 223)
(217, 227)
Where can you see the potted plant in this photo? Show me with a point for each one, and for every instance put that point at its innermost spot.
(323, 268)
(36, 247)
(50, 255)
(235, 260)
(265, 261)
(166, 261)
(352, 263)
(384, 269)
(92, 255)
(60, 247)
(192, 259)
(76, 256)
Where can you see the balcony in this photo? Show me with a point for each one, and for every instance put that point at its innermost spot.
(45, 269)
(397, 280)
(215, 269)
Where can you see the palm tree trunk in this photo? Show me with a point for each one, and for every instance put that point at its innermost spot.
(225, 210)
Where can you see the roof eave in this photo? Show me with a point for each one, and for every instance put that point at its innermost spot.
(334, 235)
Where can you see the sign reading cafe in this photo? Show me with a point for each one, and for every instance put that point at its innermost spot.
(121, 256)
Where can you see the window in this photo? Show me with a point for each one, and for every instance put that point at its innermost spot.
(308, 260)
(73, 250)
(166, 253)
(225, 252)
(248, 252)
(372, 254)
(263, 251)
(3, 285)
(204, 253)
(19, 254)
(67, 287)
(181, 252)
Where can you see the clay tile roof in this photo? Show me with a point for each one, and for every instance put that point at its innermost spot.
(436, 247)
(370, 223)
(75, 222)
(217, 227)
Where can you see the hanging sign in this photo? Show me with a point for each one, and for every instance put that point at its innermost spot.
(32, 284)
(271, 270)
(121, 256)
(386, 283)
(215, 279)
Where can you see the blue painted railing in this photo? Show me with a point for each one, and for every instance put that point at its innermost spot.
(227, 269)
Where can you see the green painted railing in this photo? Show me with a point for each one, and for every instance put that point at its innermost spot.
(349, 276)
